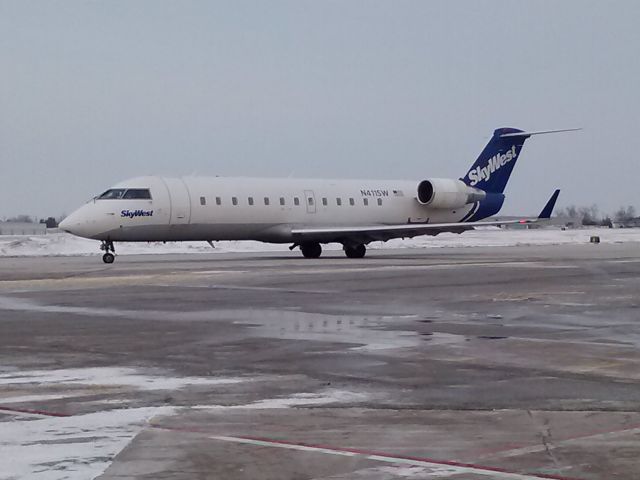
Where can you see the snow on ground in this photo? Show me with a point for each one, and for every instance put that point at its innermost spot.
(63, 244)
(498, 237)
(306, 399)
(79, 447)
(108, 376)
(324, 397)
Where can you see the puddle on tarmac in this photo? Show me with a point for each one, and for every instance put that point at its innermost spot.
(370, 332)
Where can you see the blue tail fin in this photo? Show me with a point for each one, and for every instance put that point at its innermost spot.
(493, 167)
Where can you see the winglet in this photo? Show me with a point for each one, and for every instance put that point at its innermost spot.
(548, 208)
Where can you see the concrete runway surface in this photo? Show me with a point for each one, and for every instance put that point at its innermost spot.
(467, 363)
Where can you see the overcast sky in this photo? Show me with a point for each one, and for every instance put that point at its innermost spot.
(95, 92)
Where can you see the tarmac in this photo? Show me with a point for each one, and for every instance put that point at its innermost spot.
(456, 363)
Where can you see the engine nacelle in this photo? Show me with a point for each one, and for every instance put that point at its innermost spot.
(448, 193)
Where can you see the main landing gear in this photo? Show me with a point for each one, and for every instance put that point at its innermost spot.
(314, 250)
(355, 251)
(109, 249)
(311, 250)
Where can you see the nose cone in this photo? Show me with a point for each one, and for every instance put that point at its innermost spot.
(65, 225)
(80, 223)
(72, 224)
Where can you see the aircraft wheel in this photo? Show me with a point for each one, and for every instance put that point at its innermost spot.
(357, 251)
(108, 258)
(311, 250)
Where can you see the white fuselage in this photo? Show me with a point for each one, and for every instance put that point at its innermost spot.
(219, 208)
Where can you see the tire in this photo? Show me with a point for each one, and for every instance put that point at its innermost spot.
(108, 258)
(357, 251)
(311, 250)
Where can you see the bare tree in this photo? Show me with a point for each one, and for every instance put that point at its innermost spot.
(570, 211)
(589, 215)
(624, 214)
(20, 219)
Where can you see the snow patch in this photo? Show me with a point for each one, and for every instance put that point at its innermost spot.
(40, 447)
(70, 448)
(306, 399)
(36, 446)
(108, 376)
(64, 244)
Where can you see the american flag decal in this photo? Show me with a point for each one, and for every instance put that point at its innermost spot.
(398, 193)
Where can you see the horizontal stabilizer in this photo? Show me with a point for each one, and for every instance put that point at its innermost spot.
(548, 208)
(528, 134)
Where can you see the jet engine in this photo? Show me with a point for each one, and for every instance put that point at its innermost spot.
(447, 193)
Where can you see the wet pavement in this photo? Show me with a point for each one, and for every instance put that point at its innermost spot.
(516, 363)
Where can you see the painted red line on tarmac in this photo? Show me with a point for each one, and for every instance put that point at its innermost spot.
(33, 412)
(450, 463)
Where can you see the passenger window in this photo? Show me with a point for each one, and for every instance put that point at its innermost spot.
(112, 194)
(380, 202)
(338, 201)
(324, 201)
(296, 201)
(266, 200)
(234, 200)
(250, 200)
(310, 201)
(281, 200)
(365, 201)
(218, 201)
(352, 202)
(203, 201)
(137, 194)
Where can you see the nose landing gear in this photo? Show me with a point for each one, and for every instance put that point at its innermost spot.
(109, 249)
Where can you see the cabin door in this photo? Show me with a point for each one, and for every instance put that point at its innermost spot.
(310, 201)
(180, 201)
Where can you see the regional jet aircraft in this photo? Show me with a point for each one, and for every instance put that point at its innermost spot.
(305, 213)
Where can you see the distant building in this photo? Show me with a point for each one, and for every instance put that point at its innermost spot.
(22, 228)
(631, 223)
(50, 222)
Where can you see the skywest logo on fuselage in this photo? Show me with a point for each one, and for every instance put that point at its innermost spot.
(376, 192)
(494, 163)
(136, 213)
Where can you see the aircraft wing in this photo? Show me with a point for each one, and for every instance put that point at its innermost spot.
(370, 233)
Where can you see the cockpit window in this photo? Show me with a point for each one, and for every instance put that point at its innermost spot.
(112, 194)
(127, 194)
(138, 193)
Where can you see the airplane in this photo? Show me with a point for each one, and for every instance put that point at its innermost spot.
(305, 213)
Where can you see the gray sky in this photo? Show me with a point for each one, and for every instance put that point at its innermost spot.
(95, 92)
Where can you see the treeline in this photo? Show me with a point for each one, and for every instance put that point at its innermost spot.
(592, 216)
(20, 219)
(51, 222)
